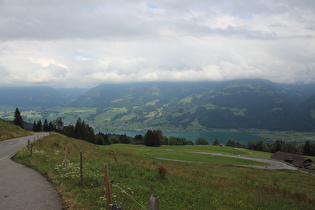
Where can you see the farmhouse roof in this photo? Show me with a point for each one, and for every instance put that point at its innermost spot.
(296, 160)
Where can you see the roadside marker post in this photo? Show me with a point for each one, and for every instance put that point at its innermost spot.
(107, 187)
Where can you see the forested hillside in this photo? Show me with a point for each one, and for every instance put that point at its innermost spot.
(226, 105)
(236, 104)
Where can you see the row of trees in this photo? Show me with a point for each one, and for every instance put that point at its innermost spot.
(155, 138)
(307, 148)
(55, 125)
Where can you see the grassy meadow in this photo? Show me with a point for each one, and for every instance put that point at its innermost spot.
(9, 131)
(136, 174)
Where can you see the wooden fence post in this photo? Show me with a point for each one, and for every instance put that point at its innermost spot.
(154, 202)
(28, 144)
(65, 161)
(31, 149)
(81, 169)
(107, 187)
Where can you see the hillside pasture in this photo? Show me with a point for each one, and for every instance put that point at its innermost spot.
(136, 174)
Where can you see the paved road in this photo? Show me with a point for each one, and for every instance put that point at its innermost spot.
(273, 164)
(22, 187)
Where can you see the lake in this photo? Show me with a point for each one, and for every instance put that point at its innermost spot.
(223, 136)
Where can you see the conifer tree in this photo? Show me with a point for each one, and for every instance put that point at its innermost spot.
(51, 127)
(307, 148)
(46, 126)
(39, 126)
(18, 120)
(153, 138)
(34, 126)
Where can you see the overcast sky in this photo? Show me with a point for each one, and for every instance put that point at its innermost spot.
(83, 43)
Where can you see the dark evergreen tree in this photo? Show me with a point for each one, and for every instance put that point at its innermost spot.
(258, 146)
(34, 126)
(90, 134)
(312, 149)
(124, 139)
(307, 148)
(51, 126)
(105, 138)
(153, 138)
(46, 126)
(78, 129)
(84, 131)
(18, 120)
(99, 139)
(158, 137)
(148, 138)
(69, 131)
(39, 126)
(139, 139)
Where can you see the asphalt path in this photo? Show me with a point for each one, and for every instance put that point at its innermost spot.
(22, 187)
(273, 164)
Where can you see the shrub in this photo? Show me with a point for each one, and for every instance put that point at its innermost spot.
(162, 172)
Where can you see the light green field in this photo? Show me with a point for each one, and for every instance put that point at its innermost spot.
(135, 176)
(186, 153)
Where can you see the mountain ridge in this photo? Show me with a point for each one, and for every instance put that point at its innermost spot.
(233, 104)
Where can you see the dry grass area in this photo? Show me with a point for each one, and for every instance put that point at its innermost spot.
(9, 131)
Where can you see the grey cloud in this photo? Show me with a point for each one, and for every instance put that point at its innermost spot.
(98, 19)
(56, 71)
(172, 40)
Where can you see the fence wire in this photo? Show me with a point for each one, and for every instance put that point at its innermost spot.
(114, 184)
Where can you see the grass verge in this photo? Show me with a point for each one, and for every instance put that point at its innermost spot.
(9, 131)
(135, 175)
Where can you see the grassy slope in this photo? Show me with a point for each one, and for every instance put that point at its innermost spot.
(185, 153)
(135, 177)
(9, 130)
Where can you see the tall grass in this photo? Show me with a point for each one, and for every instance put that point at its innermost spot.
(135, 175)
(9, 131)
